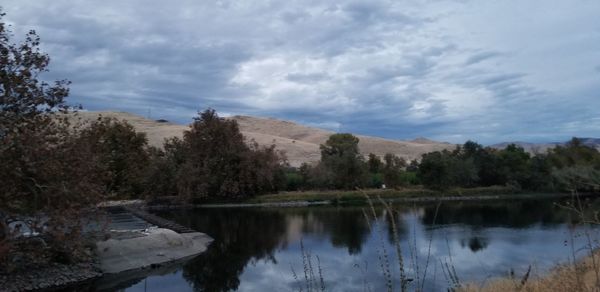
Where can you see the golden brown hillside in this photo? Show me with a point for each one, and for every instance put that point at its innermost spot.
(300, 143)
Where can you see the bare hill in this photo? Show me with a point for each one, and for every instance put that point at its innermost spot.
(300, 143)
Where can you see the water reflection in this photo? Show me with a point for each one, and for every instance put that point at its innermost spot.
(255, 249)
(241, 237)
(513, 214)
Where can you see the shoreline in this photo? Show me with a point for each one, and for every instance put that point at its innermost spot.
(121, 255)
(337, 198)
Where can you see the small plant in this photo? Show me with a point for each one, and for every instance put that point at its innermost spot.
(310, 282)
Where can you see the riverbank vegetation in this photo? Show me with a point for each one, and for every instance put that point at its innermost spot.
(579, 276)
(467, 166)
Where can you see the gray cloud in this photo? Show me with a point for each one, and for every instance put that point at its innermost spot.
(447, 70)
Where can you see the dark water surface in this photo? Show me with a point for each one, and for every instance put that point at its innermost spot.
(256, 249)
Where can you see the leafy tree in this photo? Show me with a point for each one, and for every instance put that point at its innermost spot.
(340, 156)
(393, 170)
(435, 170)
(374, 163)
(122, 151)
(321, 177)
(444, 169)
(575, 166)
(513, 165)
(574, 153)
(217, 163)
(160, 176)
(579, 177)
(413, 166)
(44, 172)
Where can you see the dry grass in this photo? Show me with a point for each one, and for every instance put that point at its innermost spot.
(573, 277)
(350, 197)
(300, 143)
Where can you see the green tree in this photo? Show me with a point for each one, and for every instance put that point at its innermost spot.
(438, 170)
(393, 170)
(513, 165)
(575, 166)
(574, 153)
(374, 163)
(341, 157)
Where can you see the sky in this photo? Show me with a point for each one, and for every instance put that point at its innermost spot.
(489, 71)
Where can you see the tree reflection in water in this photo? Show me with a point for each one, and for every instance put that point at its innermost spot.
(241, 236)
(248, 235)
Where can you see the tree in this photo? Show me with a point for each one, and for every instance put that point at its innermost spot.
(435, 170)
(513, 165)
(340, 155)
(44, 172)
(393, 170)
(574, 166)
(445, 169)
(574, 153)
(374, 163)
(160, 178)
(122, 151)
(217, 163)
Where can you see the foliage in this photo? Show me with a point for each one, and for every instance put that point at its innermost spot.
(122, 152)
(472, 165)
(294, 180)
(374, 163)
(213, 161)
(340, 156)
(47, 176)
(393, 170)
(436, 170)
(160, 178)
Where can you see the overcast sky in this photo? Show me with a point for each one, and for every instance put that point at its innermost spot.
(490, 71)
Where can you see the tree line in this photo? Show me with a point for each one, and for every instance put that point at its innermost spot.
(572, 166)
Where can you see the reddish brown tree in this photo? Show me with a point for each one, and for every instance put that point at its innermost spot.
(217, 163)
(121, 151)
(47, 178)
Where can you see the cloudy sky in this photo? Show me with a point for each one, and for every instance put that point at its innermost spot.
(490, 71)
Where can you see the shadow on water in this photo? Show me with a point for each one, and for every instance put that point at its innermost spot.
(254, 248)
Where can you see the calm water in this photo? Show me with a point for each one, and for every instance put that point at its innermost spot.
(256, 249)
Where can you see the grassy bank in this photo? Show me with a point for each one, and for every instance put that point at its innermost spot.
(582, 276)
(356, 197)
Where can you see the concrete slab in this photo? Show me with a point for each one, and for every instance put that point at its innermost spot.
(154, 246)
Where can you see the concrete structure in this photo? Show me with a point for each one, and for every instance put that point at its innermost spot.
(129, 250)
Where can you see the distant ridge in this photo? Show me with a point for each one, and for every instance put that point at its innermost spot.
(543, 147)
(299, 142)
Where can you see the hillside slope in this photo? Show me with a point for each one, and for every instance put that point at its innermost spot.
(300, 143)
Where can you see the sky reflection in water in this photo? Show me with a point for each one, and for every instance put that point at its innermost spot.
(255, 249)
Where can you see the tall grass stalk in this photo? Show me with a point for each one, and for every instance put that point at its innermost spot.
(381, 251)
(396, 238)
(311, 281)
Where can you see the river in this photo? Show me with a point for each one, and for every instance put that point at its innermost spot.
(267, 249)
